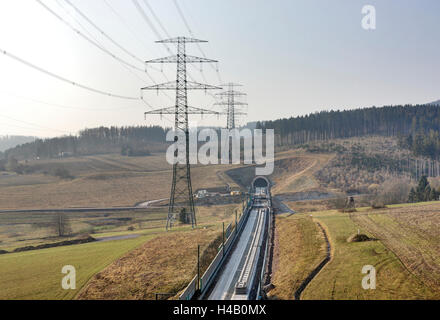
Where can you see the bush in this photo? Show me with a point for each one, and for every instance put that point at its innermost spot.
(338, 203)
(359, 238)
(62, 173)
(131, 151)
(392, 191)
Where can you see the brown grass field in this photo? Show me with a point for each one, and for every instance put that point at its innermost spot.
(341, 277)
(299, 248)
(99, 181)
(412, 233)
(163, 265)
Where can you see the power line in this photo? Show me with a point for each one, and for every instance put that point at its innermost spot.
(90, 40)
(73, 83)
(98, 42)
(161, 25)
(157, 19)
(158, 35)
(182, 16)
(133, 33)
(62, 106)
(104, 33)
(33, 124)
(150, 24)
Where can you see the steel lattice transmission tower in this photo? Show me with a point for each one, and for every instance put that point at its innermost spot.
(181, 197)
(230, 100)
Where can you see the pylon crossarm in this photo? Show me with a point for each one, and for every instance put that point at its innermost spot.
(225, 103)
(172, 85)
(191, 110)
(229, 93)
(188, 59)
(180, 39)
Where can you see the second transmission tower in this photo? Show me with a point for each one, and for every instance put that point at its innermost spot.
(230, 100)
(181, 196)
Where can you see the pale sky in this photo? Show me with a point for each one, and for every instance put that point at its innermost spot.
(293, 57)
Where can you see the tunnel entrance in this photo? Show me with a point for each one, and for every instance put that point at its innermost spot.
(260, 182)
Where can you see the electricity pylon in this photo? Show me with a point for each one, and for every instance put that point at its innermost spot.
(230, 101)
(181, 197)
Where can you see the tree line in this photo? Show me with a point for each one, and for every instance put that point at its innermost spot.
(423, 192)
(400, 120)
(137, 139)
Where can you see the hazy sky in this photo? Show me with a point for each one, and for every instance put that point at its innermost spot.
(292, 56)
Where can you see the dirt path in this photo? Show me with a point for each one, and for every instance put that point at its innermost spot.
(316, 162)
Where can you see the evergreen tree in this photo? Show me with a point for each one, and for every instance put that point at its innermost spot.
(412, 196)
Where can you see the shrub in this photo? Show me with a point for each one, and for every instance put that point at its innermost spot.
(392, 191)
(62, 173)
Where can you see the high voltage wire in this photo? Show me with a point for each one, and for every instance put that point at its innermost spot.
(159, 22)
(133, 33)
(158, 35)
(157, 19)
(57, 105)
(115, 43)
(104, 33)
(185, 21)
(98, 42)
(88, 39)
(32, 124)
(150, 24)
(76, 84)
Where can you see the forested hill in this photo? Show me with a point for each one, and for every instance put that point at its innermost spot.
(139, 140)
(7, 142)
(385, 121)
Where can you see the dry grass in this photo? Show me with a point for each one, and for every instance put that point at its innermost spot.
(299, 248)
(100, 181)
(162, 265)
(413, 234)
(297, 174)
(37, 274)
(341, 277)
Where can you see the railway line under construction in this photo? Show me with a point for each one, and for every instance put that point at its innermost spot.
(237, 271)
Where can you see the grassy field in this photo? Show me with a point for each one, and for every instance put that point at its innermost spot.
(341, 277)
(165, 264)
(37, 274)
(25, 229)
(299, 248)
(99, 181)
(413, 234)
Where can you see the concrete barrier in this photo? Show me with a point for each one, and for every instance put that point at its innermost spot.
(190, 290)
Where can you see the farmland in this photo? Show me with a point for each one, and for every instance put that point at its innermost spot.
(341, 277)
(97, 181)
(37, 274)
(42, 280)
(413, 234)
(299, 248)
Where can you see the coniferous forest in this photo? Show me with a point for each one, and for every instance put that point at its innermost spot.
(413, 121)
